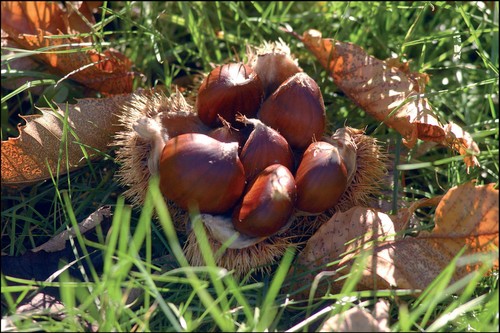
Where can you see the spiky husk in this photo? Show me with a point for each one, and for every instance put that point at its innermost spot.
(371, 167)
(278, 47)
(134, 151)
(366, 184)
(257, 258)
(177, 116)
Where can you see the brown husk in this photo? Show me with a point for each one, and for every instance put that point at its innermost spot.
(178, 116)
(257, 258)
(365, 185)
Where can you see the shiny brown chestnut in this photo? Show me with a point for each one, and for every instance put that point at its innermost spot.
(228, 90)
(321, 178)
(264, 147)
(197, 171)
(267, 203)
(296, 110)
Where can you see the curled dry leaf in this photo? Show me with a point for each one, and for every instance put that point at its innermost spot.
(42, 25)
(45, 263)
(466, 216)
(19, 64)
(387, 91)
(87, 126)
(357, 319)
(50, 16)
(42, 304)
(462, 142)
(58, 242)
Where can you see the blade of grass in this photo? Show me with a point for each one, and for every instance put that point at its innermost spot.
(171, 235)
(268, 308)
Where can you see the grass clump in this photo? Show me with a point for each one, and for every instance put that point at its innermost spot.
(146, 282)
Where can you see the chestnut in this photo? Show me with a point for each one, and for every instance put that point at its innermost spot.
(228, 90)
(197, 171)
(297, 110)
(321, 178)
(267, 203)
(264, 147)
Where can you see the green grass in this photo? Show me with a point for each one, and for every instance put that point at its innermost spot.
(455, 43)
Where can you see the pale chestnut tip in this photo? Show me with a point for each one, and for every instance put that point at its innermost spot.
(274, 64)
(151, 130)
(221, 228)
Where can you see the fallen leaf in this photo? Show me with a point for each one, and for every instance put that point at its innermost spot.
(58, 242)
(28, 17)
(42, 304)
(44, 264)
(108, 72)
(466, 216)
(73, 132)
(43, 261)
(387, 91)
(18, 64)
(45, 26)
(358, 319)
(462, 142)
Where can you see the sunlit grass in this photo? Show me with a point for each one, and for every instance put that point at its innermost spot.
(455, 43)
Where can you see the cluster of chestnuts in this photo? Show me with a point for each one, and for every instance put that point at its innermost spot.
(250, 153)
(263, 156)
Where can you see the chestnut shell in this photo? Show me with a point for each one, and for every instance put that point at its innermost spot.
(264, 147)
(228, 90)
(197, 171)
(297, 110)
(267, 203)
(321, 178)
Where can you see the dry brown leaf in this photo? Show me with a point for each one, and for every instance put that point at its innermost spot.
(466, 215)
(19, 64)
(387, 91)
(42, 304)
(42, 145)
(37, 25)
(44, 264)
(462, 142)
(29, 16)
(58, 242)
(50, 16)
(358, 319)
(107, 72)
